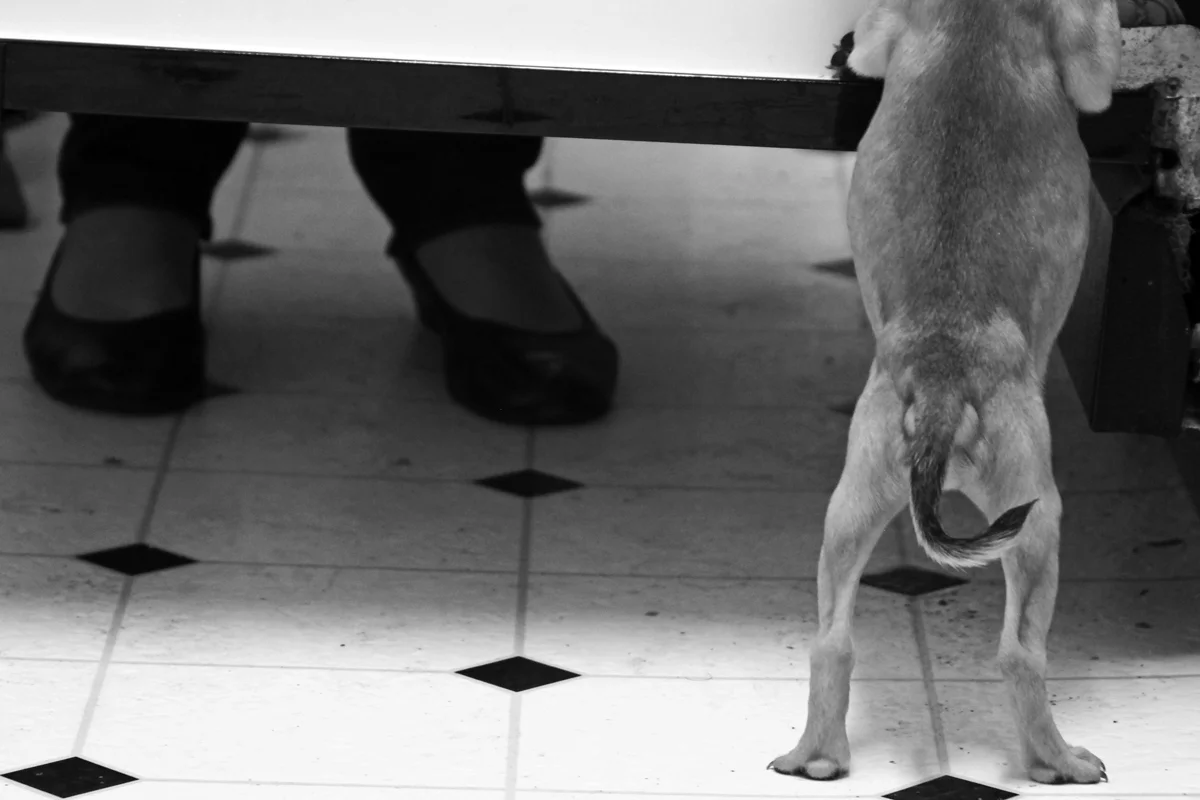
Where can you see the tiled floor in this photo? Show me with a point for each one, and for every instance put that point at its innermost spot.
(344, 569)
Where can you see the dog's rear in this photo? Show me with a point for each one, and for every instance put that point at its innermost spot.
(968, 218)
(969, 223)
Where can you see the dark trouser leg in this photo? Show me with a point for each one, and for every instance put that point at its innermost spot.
(523, 370)
(167, 164)
(428, 184)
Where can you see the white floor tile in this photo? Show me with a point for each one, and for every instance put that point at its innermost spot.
(24, 258)
(70, 510)
(632, 291)
(670, 172)
(34, 429)
(702, 628)
(314, 283)
(334, 436)
(182, 790)
(711, 737)
(633, 796)
(235, 190)
(319, 617)
(43, 704)
(13, 317)
(55, 607)
(323, 356)
(743, 368)
(1143, 730)
(305, 157)
(695, 533)
(1101, 629)
(301, 726)
(315, 218)
(738, 235)
(337, 523)
(798, 449)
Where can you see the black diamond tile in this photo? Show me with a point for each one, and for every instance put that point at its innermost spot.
(912, 581)
(136, 559)
(529, 483)
(557, 198)
(518, 674)
(235, 250)
(948, 787)
(70, 777)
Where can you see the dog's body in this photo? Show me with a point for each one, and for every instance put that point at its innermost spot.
(969, 224)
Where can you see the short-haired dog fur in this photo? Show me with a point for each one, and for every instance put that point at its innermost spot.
(970, 215)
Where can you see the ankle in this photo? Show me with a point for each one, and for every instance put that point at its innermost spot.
(124, 262)
(500, 273)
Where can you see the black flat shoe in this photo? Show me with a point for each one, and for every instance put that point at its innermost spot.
(146, 366)
(516, 376)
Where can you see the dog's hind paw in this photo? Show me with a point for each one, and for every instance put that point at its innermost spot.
(1079, 766)
(817, 768)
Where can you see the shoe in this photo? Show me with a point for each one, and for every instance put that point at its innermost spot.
(145, 366)
(514, 376)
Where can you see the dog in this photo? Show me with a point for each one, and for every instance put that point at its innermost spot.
(969, 215)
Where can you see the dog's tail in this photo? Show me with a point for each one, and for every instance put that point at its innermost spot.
(934, 425)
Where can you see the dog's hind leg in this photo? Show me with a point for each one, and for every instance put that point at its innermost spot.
(871, 491)
(1021, 435)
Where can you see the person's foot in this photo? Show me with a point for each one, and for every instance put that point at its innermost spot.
(500, 273)
(519, 346)
(117, 327)
(123, 263)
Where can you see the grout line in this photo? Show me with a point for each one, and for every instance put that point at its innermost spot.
(238, 225)
(34, 464)
(658, 576)
(463, 481)
(598, 793)
(931, 696)
(818, 401)
(707, 678)
(521, 628)
(160, 478)
(110, 641)
(514, 746)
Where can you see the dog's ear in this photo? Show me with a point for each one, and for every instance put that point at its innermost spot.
(1085, 38)
(875, 37)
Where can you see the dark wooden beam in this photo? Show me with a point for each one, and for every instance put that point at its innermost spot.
(305, 90)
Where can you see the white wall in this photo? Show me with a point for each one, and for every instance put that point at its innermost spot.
(776, 38)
